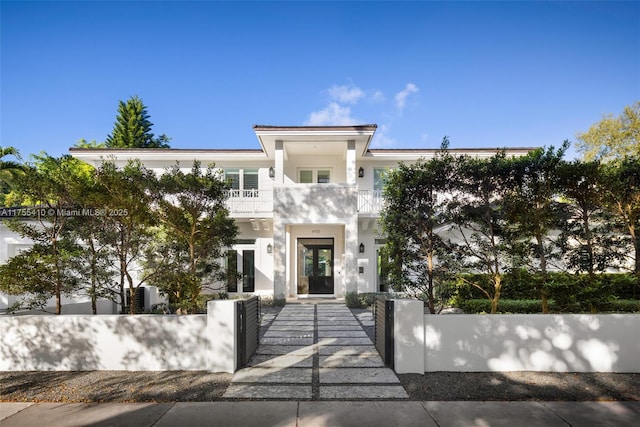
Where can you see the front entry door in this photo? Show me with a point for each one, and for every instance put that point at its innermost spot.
(315, 266)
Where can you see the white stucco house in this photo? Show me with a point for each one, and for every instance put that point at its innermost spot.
(306, 201)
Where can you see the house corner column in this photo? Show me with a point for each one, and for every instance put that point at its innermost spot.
(351, 162)
(279, 259)
(351, 254)
(279, 162)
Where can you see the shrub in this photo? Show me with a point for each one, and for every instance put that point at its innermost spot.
(354, 300)
(269, 301)
(525, 306)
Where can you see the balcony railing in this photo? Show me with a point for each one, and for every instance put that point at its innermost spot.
(370, 201)
(250, 202)
(254, 202)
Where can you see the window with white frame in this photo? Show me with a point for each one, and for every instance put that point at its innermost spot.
(314, 175)
(244, 181)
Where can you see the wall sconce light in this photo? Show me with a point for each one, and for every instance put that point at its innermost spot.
(360, 172)
(269, 248)
(361, 248)
(272, 172)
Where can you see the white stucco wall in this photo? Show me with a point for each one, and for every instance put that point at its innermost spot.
(551, 343)
(104, 342)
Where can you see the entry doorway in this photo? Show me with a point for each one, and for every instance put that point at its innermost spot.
(315, 266)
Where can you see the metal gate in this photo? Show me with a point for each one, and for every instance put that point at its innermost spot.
(384, 330)
(248, 329)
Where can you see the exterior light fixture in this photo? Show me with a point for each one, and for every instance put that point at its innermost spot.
(360, 172)
(361, 248)
(272, 172)
(269, 248)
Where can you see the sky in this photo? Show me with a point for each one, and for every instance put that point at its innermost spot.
(485, 74)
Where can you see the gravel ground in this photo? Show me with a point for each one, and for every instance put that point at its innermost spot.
(190, 386)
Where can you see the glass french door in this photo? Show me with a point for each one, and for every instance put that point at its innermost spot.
(315, 266)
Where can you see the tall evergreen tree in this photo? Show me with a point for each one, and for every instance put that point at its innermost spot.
(132, 128)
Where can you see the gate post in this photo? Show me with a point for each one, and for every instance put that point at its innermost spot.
(222, 328)
(384, 335)
(408, 331)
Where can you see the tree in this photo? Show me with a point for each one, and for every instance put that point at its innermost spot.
(48, 269)
(195, 229)
(129, 219)
(621, 196)
(132, 128)
(480, 224)
(613, 137)
(590, 238)
(413, 212)
(9, 171)
(533, 212)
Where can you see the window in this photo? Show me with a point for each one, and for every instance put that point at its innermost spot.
(232, 270)
(248, 271)
(306, 177)
(242, 179)
(309, 176)
(380, 178)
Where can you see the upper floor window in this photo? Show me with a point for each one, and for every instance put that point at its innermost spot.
(242, 178)
(310, 176)
(380, 177)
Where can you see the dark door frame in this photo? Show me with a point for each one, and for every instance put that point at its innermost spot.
(315, 284)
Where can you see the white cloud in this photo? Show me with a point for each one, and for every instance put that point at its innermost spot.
(381, 140)
(377, 96)
(401, 97)
(346, 94)
(332, 115)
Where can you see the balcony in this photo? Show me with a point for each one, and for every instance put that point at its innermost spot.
(370, 201)
(248, 203)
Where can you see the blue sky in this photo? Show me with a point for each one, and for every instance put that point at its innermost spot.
(486, 74)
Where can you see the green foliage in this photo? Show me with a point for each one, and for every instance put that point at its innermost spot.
(414, 209)
(535, 306)
(613, 137)
(132, 128)
(367, 299)
(269, 301)
(184, 257)
(353, 300)
(10, 170)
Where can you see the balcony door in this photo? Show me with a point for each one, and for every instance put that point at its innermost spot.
(315, 266)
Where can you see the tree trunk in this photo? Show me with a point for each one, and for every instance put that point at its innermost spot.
(543, 271)
(497, 288)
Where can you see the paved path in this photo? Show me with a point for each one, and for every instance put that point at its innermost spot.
(320, 414)
(316, 352)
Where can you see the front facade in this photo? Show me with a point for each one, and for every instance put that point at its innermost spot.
(307, 204)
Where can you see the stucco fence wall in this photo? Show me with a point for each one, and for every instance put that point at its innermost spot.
(121, 342)
(512, 342)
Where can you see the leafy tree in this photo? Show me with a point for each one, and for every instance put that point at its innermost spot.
(46, 186)
(83, 143)
(128, 219)
(480, 223)
(9, 171)
(91, 230)
(414, 210)
(589, 236)
(621, 196)
(195, 229)
(533, 212)
(132, 128)
(613, 137)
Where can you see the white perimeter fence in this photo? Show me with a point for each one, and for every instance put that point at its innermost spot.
(122, 342)
(513, 342)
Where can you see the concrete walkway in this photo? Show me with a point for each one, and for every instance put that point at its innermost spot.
(319, 414)
(316, 352)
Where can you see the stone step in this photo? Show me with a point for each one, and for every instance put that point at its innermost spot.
(347, 350)
(287, 341)
(357, 375)
(356, 392)
(343, 341)
(281, 361)
(253, 391)
(341, 334)
(341, 361)
(273, 375)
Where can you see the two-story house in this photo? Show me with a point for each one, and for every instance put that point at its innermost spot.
(307, 204)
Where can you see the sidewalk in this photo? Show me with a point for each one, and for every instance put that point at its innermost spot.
(318, 414)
